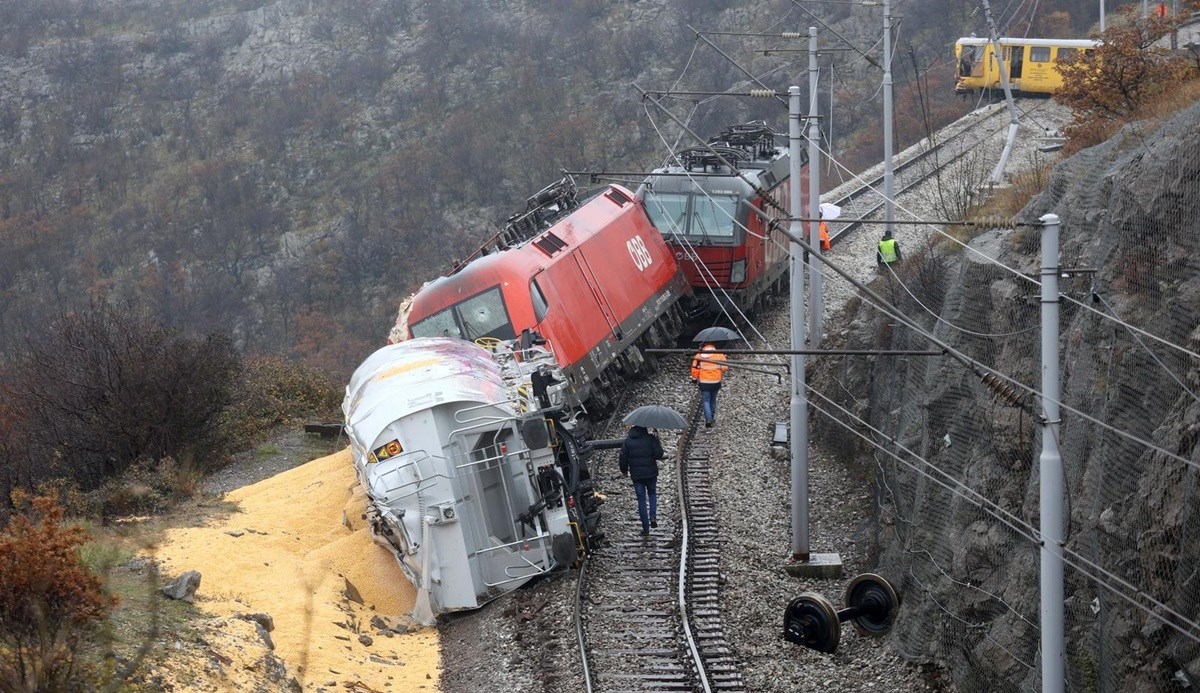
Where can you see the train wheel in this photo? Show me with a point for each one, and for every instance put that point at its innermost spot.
(875, 597)
(650, 361)
(811, 621)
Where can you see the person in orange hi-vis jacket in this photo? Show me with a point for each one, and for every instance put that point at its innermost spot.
(826, 246)
(708, 366)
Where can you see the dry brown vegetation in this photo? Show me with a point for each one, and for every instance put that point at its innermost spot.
(1127, 78)
(49, 601)
(121, 415)
(1005, 202)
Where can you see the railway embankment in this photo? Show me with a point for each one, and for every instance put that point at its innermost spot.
(962, 551)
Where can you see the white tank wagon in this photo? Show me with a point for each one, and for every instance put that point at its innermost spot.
(471, 482)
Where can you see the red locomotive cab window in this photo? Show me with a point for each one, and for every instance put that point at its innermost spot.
(540, 305)
(668, 212)
(703, 218)
(714, 218)
(482, 315)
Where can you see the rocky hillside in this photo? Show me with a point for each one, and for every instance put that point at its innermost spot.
(958, 482)
(283, 169)
(286, 170)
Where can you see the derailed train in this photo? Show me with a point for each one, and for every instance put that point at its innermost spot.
(473, 456)
(602, 278)
(474, 482)
(591, 278)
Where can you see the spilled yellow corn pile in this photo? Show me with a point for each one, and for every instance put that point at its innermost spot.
(289, 553)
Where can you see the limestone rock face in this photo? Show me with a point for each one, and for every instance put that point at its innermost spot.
(967, 559)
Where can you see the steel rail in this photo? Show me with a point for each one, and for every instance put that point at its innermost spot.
(691, 626)
(871, 187)
(580, 633)
(685, 549)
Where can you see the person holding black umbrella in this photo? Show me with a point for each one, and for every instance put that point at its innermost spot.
(708, 366)
(638, 460)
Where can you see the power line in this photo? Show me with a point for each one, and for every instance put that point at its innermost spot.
(1021, 527)
(947, 322)
(993, 261)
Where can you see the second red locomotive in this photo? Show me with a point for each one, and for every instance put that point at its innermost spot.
(718, 221)
(594, 279)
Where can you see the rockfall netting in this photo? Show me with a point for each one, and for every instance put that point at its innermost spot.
(956, 448)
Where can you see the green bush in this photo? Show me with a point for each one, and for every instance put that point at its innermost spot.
(273, 392)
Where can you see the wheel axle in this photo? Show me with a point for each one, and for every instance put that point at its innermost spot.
(871, 604)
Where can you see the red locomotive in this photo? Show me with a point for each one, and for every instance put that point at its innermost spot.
(722, 225)
(593, 278)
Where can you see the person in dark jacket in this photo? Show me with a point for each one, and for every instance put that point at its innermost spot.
(639, 461)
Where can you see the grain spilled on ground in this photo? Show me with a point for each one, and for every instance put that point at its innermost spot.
(298, 550)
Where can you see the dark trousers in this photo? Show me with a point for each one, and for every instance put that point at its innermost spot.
(708, 400)
(643, 488)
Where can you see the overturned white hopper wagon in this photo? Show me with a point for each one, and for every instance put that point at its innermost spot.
(461, 480)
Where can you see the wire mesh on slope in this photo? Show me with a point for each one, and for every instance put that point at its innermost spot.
(958, 454)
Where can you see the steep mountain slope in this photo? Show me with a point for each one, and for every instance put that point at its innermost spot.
(287, 170)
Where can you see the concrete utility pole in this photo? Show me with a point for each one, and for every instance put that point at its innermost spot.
(816, 302)
(799, 437)
(889, 173)
(803, 562)
(1175, 29)
(998, 172)
(1101, 16)
(1050, 473)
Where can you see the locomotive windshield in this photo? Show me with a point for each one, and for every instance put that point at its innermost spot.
(713, 217)
(699, 217)
(668, 211)
(482, 315)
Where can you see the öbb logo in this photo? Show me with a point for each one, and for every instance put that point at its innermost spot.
(639, 253)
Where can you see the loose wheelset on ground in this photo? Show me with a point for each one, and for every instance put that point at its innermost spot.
(871, 604)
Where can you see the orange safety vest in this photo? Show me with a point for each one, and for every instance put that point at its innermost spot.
(708, 366)
(1161, 9)
(825, 244)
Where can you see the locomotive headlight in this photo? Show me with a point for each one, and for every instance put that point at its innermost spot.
(737, 272)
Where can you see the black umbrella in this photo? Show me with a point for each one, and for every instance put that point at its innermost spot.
(716, 334)
(656, 416)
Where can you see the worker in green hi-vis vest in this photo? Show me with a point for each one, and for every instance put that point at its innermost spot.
(889, 250)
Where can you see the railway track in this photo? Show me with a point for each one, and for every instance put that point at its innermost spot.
(866, 200)
(647, 609)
